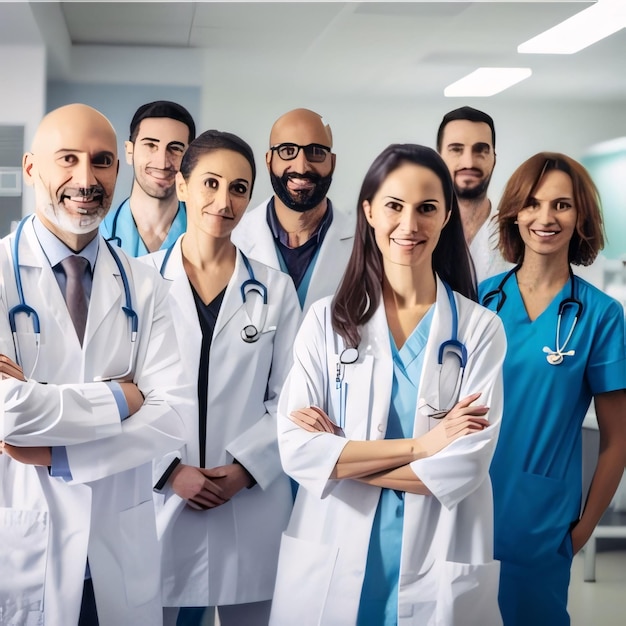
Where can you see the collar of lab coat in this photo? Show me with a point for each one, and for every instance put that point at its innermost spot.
(254, 235)
(106, 288)
(182, 295)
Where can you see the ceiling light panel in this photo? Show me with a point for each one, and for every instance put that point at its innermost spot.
(579, 31)
(486, 81)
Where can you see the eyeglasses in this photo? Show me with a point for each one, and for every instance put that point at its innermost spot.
(314, 152)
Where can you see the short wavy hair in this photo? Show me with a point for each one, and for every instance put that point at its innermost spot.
(588, 237)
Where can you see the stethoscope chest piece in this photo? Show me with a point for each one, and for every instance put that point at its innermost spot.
(349, 355)
(250, 333)
(554, 359)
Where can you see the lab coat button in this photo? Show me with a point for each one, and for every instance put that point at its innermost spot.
(380, 428)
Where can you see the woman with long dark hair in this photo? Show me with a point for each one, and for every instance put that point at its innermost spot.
(379, 421)
(566, 347)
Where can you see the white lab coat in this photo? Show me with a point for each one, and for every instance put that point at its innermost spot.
(228, 555)
(448, 576)
(48, 526)
(254, 238)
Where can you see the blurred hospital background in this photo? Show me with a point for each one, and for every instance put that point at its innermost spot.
(377, 72)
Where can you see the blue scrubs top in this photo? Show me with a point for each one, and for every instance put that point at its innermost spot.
(536, 471)
(379, 594)
(120, 223)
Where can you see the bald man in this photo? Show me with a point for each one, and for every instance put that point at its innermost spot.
(297, 229)
(76, 514)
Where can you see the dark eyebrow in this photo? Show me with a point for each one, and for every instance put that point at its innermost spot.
(422, 202)
(150, 139)
(455, 144)
(213, 174)
(176, 143)
(481, 145)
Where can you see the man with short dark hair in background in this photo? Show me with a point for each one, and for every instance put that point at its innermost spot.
(466, 140)
(152, 218)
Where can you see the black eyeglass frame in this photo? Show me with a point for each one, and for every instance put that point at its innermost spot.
(308, 150)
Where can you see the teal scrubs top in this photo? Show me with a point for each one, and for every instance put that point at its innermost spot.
(379, 594)
(536, 471)
(120, 224)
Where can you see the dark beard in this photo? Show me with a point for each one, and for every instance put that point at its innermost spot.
(473, 193)
(305, 200)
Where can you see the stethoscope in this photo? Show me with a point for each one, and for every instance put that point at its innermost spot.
(451, 357)
(556, 356)
(22, 307)
(114, 236)
(251, 332)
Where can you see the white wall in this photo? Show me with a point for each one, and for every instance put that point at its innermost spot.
(23, 83)
(119, 103)
(362, 129)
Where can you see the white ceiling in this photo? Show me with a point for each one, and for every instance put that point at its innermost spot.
(406, 49)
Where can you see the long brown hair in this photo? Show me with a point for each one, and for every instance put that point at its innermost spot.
(360, 290)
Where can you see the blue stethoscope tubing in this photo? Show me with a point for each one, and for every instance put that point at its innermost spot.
(114, 237)
(451, 346)
(22, 307)
(250, 333)
(554, 357)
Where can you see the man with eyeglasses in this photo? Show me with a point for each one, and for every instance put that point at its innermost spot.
(297, 229)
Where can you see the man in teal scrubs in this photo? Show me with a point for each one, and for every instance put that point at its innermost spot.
(152, 218)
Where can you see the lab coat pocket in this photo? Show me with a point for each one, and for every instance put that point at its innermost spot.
(24, 537)
(139, 553)
(468, 594)
(305, 570)
(449, 594)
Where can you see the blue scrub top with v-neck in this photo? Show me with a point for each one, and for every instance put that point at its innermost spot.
(379, 594)
(536, 471)
(127, 233)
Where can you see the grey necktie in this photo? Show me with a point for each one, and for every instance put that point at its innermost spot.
(74, 267)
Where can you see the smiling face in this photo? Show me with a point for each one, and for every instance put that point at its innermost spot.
(547, 224)
(300, 183)
(216, 192)
(156, 154)
(73, 167)
(467, 149)
(408, 213)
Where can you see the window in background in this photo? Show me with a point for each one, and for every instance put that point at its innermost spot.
(11, 151)
(606, 162)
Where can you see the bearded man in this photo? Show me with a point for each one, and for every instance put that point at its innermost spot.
(297, 229)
